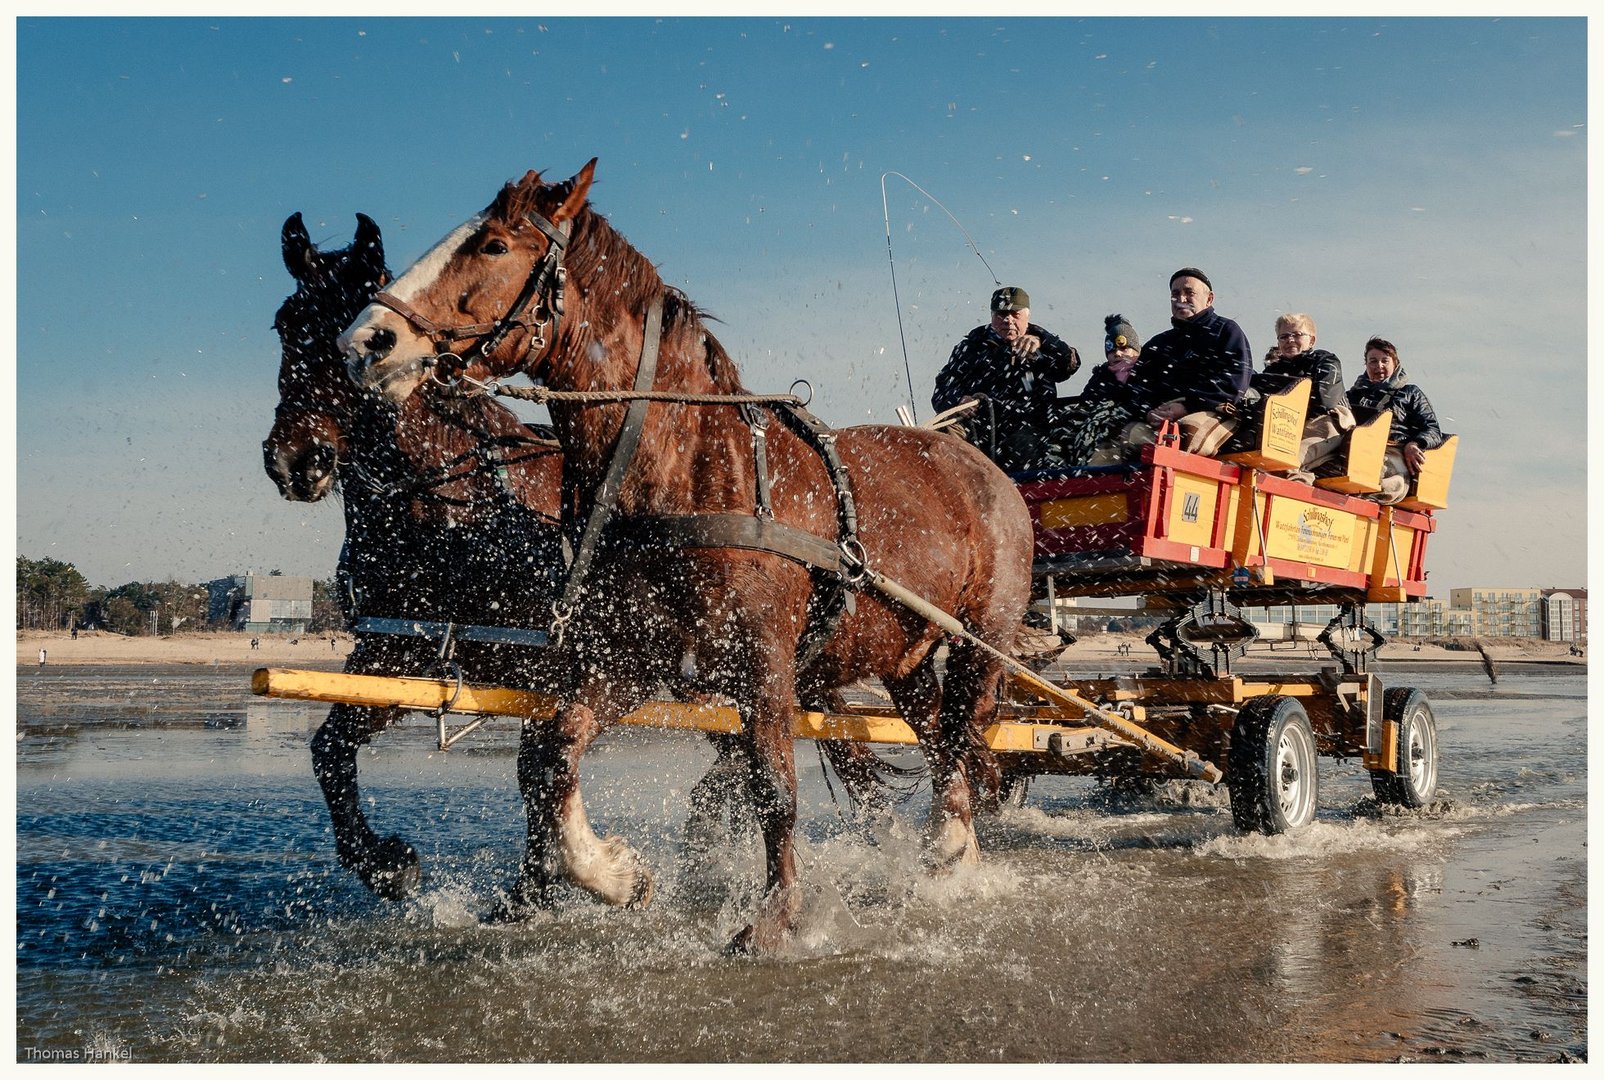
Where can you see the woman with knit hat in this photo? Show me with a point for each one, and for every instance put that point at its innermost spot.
(1106, 427)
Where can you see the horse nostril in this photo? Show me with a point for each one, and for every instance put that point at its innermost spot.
(380, 342)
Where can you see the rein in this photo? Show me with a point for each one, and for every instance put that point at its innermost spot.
(542, 395)
(489, 455)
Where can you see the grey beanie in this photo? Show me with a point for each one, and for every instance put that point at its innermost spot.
(1117, 332)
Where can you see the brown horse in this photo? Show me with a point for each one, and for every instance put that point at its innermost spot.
(451, 508)
(931, 513)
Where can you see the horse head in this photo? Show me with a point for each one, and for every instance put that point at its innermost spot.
(316, 400)
(494, 282)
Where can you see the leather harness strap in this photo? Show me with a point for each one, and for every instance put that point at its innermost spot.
(604, 499)
(744, 531)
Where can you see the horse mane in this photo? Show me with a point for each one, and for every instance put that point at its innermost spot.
(596, 248)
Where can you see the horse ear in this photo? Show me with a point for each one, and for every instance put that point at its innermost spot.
(299, 255)
(369, 242)
(578, 191)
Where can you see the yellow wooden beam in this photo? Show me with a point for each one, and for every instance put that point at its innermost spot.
(428, 694)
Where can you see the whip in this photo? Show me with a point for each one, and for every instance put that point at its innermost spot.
(885, 210)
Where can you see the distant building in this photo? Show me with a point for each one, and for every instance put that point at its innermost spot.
(1501, 612)
(1430, 617)
(260, 603)
(1564, 615)
(1305, 621)
(1549, 614)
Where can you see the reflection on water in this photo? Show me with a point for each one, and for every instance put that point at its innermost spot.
(178, 899)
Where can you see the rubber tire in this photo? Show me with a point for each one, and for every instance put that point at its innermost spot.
(1414, 779)
(1274, 784)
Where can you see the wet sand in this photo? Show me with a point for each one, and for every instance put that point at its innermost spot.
(314, 650)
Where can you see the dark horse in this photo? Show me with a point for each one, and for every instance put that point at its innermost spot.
(450, 508)
(931, 513)
(450, 515)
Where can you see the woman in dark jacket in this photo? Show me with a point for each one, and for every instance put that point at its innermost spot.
(1295, 357)
(1384, 385)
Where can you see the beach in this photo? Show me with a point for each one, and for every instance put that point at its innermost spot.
(314, 650)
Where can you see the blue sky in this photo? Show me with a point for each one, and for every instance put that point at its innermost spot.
(1424, 179)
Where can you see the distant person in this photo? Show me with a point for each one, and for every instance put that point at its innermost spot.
(1012, 367)
(1295, 357)
(42, 655)
(1196, 372)
(1385, 386)
(1106, 425)
(332, 645)
(75, 633)
(255, 642)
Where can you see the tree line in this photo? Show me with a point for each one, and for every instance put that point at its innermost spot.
(54, 595)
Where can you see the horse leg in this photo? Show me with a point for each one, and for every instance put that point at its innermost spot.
(712, 796)
(971, 698)
(389, 866)
(771, 781)
(562, 848)
(950, 836)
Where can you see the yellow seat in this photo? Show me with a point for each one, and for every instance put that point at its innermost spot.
(1366, 449)
(1430, 488)
(1281, 431)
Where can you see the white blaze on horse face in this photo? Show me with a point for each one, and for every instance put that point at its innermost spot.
(384, 351)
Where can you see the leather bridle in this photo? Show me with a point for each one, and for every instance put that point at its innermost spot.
(537, 307)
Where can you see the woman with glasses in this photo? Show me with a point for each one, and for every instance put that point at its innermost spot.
(1294, 357)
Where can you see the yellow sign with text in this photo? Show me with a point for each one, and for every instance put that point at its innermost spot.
(1317, 535)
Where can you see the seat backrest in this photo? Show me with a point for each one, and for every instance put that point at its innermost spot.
(1365, 449)
(1430, 488)
(1280, 416)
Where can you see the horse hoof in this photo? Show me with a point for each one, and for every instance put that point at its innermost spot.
(742, 944)
(391, 869)
(955, 845)
(627, 880)
(641, 894)
(773, 926)
(522, 901)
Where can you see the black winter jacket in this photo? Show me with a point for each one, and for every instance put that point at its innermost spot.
(983, 365)
(1322, 369)
(1413, 419)
(1103, 387)
(1205, 360)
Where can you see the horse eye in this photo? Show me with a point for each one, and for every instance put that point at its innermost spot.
(494, 247)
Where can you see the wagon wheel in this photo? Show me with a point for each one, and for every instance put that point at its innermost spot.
(1271, 776)
(1413, 779)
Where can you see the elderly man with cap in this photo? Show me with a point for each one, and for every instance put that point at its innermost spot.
(1196, 372)
(1013, 368)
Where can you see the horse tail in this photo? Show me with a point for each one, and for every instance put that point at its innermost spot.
(871, 782)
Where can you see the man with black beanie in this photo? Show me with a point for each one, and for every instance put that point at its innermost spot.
(1195, 373)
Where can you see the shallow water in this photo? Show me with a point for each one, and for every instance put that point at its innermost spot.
(178, 900)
